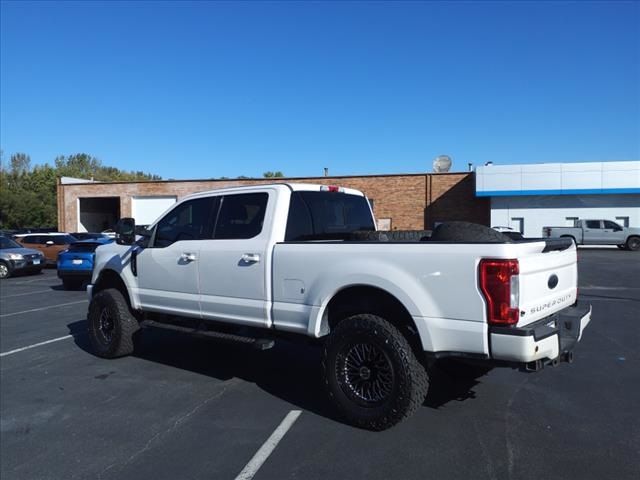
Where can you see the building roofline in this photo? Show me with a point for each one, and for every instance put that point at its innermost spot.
(273, 179)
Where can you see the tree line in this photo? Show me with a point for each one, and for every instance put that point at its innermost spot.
(28, 193)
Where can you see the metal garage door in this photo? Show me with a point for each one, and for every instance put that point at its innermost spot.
(147, 209)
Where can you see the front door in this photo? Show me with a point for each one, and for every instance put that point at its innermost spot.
(233, 266)
(168, 269)
(614, 233)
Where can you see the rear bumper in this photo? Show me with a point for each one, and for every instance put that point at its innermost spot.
(549, 340)
(74, 273)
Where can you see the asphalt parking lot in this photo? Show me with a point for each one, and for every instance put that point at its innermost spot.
(186, 408)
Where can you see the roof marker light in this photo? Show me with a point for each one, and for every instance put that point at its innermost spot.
(331, 188)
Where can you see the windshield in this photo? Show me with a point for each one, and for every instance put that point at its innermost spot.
(8, 243)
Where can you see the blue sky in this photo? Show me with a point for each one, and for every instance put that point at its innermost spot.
(209, 89)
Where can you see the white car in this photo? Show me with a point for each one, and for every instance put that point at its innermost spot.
(304, 261)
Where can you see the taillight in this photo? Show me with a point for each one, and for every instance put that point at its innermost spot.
(331, 188)
(500, 286)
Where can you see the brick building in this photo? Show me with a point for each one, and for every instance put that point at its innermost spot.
(400, 201)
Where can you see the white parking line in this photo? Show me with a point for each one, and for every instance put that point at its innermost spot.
(22, 294)
(10, 352)
(269, 446)
(44, 279)
(43, 308)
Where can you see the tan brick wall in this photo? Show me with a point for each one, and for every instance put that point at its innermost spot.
(411, 201)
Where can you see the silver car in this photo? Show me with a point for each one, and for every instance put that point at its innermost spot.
(14, 258)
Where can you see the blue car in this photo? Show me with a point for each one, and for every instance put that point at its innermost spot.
(75, 265)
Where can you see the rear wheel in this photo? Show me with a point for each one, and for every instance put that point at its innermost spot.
(371, 373)
(4, 270)
(633, 243)
(111, 324)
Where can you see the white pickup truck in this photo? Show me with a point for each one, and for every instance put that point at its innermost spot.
(597, 232)
(254, 264)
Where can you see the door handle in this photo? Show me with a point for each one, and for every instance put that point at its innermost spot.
(188, 257)
(251, 258)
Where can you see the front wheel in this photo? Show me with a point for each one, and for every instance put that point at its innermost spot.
(633, 243)
(4, 270)
(111, 324)
(371, 373)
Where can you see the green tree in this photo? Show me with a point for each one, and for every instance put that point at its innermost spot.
(28, 194)
(271, 174)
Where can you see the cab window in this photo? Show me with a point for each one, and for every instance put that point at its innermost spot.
(320, 215)
(593, 224)
(241, 216)
(611, 225)
(188, 221)
(33, 240)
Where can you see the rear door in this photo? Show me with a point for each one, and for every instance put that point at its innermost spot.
(234, 265)
(60, 243)
(168, 269)
(594, 233)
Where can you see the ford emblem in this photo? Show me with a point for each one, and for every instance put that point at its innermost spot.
(553, 281)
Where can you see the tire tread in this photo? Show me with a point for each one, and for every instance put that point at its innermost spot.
(415, 388)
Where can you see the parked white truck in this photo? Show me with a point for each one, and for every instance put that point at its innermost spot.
(597, 232)
(254, 264)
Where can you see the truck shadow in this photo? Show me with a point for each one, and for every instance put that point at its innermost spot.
(288, 371)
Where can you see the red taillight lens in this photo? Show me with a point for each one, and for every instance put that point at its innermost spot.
(499, 284)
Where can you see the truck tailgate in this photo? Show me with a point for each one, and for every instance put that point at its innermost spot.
(548, 281)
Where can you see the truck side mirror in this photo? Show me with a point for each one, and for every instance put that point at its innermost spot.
(125, 231)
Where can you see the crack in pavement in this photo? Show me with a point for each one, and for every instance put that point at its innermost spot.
(163, 433)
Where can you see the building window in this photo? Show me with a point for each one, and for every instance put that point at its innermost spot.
(571, 221)
(624, 221)
(518, 224)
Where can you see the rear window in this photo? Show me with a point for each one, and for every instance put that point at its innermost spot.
(62, 239)
(83, 247)
(323, 215)
(593, 223)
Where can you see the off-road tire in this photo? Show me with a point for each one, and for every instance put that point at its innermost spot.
(5, 270)
(633, 243)
(110, 306)
(467, 232)
(409, 380)
(71, 283)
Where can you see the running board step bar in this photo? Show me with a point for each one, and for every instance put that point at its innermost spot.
(258, 343)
